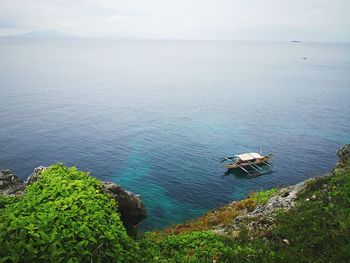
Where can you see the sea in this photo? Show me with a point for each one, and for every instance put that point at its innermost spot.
(156, 116)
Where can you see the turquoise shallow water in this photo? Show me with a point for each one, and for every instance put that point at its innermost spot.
(156, 116)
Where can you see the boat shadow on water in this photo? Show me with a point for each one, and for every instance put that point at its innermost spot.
(240, 174)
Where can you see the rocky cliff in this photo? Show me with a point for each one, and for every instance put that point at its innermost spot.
(344, 156)
(10, 184)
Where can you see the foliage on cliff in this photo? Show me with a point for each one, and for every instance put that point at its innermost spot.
(318, 227)
(63, 217)
(198, 246)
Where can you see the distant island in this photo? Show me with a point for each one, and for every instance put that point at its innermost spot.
(43, 33)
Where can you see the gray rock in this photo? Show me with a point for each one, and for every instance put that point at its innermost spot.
(262, 218)
(344, 154)
(34, 176)
(10, 184)
(284, 199)
(130, 206)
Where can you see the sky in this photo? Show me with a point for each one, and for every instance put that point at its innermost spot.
(306, 20)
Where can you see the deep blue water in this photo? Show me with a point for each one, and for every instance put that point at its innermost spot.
(155, 116)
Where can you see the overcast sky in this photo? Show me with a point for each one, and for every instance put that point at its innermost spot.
(309, 20)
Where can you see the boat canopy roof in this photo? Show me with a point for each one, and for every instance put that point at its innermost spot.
(248, 156)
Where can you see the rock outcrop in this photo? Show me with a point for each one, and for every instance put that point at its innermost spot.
(262, 218)
(130, 206)
(10, 184)
(344, 156)
(34, 176)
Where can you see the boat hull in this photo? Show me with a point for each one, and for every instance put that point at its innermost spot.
(259, 161)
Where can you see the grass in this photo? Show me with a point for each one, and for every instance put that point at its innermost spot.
(222, 216)
(318, 227)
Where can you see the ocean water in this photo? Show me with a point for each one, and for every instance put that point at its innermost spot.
(156, 116)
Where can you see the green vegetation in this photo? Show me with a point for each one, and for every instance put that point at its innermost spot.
(315, 230)
(263, 197)
(202, 246)
(318, 228)
(65, 217)
(6, 200)
(198, 246)
(224, 215)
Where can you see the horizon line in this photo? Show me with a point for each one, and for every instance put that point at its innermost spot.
(61, 35)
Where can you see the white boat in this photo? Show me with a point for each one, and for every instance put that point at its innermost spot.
(246, 161)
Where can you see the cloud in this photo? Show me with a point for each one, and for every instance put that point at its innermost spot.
(182, 19)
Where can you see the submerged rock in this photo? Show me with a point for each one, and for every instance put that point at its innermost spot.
(130, 206)
(10, 184)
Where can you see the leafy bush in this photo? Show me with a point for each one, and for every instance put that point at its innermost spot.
(7, 200)
(63, 217)
(203, 246)
(198, 246)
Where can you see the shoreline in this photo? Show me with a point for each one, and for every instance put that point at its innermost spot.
(62, 213)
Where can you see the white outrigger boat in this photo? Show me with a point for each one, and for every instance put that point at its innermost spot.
(246, 161)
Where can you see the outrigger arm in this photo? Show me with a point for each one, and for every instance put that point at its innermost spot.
(255, 166)
(244, 169)
(267, 164)
(226, 158)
